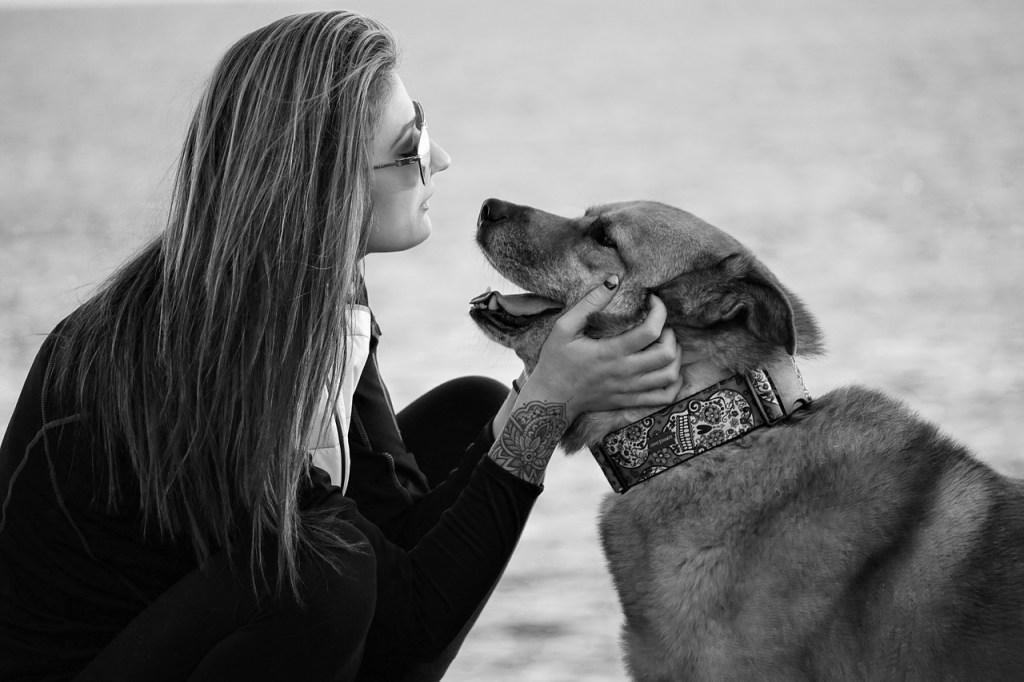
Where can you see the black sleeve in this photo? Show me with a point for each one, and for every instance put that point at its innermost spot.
(426, 595)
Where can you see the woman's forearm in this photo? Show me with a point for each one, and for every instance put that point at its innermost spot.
(528, 436)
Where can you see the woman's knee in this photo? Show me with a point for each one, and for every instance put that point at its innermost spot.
(439, 425)
(471, 390)
(468, 398)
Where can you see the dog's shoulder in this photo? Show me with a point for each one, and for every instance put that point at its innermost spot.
(871, 447)
(875, 447)
(858, 419)
(855, 403)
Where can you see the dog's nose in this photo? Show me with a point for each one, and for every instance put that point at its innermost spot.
(492, 211)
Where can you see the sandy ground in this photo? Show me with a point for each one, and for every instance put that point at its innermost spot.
(872, 153)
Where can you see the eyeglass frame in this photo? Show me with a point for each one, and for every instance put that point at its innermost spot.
(422, 156)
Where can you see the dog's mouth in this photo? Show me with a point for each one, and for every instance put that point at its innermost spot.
(512, 311)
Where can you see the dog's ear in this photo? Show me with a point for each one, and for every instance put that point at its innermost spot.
(736, 290)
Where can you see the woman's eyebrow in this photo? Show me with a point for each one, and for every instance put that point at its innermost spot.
(403, 133)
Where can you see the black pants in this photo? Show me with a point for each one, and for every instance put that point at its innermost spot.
(210, 625)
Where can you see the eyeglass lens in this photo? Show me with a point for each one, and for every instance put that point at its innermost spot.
(423, 146)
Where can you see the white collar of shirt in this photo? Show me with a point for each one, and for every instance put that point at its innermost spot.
(329, 442)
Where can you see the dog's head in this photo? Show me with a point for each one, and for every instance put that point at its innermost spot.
(725, 306)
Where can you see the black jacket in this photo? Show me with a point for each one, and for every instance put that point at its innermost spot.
(73, 573)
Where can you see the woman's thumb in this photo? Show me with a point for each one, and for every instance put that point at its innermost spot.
(595, 300)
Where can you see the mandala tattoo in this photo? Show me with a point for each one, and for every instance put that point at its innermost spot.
(529, 438)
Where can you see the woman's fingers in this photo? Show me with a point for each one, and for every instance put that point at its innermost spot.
(574, 319)
(654, 389)
(638, 368)
(660, 377)
(641, 371)
(661, 397)
(655, 356)
(647, 332)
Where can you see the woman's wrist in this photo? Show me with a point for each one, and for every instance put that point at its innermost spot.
(498, 423)
(529, 436)
(519, 382)
(541, 387)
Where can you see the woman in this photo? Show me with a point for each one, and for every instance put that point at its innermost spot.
(179, 499)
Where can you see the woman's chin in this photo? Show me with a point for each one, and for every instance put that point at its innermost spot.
(423, 234)
(402, 242)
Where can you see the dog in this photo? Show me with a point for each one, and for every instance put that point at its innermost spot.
(843, 538)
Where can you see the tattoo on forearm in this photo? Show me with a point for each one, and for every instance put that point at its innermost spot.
(528, 439)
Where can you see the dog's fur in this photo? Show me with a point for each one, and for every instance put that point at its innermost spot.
(853, 541)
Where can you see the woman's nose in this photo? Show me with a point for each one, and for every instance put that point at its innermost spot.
(439, 159)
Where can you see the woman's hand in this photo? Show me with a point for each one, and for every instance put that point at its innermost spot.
(576, 374)
(638, 368)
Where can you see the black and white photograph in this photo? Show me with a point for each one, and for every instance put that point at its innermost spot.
(541, 341)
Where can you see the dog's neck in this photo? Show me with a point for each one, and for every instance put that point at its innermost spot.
(698, 374)
(715, 406)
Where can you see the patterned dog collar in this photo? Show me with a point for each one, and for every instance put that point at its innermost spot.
(715, 416)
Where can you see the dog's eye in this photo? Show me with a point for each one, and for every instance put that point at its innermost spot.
(601, 236)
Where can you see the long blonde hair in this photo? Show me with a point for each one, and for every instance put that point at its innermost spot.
(204, 357)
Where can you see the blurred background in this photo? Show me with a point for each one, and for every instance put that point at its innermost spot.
(871, 151)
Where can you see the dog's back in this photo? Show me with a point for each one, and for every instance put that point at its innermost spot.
(853, 542)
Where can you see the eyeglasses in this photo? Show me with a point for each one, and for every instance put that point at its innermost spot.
(422, 155)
